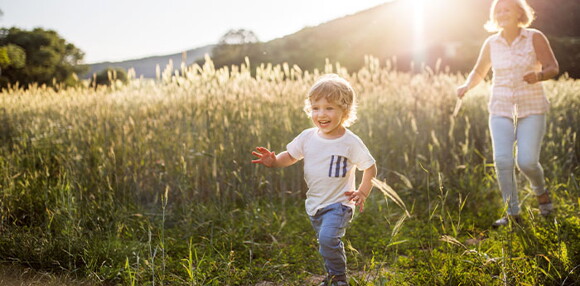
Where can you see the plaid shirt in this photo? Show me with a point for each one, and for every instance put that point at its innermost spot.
(511, 95)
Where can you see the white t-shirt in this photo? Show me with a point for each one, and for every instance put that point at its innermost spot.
(329, 166)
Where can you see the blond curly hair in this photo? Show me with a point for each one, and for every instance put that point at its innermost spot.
(336, 90)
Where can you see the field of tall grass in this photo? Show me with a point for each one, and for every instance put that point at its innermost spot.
(151, 183)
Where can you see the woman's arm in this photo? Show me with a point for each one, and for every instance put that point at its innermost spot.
(545, 56)
(479, 71)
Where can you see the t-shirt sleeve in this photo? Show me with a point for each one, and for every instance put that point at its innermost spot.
(296, 147)
(362, 157)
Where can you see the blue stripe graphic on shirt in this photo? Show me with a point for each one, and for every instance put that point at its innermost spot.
(330, 169)
(337, 171)
(344, 168)
(335, 166)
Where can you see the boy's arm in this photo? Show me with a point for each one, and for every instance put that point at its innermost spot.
(359, 196)
(271, 160)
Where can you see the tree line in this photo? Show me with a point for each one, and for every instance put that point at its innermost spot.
(38, 56)
(43, 57)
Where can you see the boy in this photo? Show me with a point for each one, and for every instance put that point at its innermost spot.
(331, 152)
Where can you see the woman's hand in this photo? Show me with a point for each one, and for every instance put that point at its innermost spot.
(462, 90)
(532, 77)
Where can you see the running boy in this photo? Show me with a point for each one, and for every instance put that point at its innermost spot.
(330, 152)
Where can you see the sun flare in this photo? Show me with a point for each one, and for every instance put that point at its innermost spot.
(418, 31)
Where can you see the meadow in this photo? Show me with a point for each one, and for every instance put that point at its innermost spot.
(151, 183)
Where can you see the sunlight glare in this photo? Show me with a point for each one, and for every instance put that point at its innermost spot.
(418, 32)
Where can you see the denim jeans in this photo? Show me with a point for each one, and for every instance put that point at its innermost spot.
(527, 133)
(330, 225)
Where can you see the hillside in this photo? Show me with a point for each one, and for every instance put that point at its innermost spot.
(146, 66)
(392, 30)
(447, 30)
(450, 30)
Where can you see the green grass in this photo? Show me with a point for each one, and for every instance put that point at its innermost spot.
(151, 183)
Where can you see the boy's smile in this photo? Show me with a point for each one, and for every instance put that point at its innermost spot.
(328, 117)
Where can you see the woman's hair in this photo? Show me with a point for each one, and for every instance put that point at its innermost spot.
(528, 15)
(336, 90)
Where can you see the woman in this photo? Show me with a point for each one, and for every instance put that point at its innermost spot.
(520, 58)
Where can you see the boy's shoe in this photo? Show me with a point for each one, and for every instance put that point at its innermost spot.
(506, 220)
(334, 281)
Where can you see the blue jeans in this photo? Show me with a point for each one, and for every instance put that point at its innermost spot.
(330, 225)
(527, 133)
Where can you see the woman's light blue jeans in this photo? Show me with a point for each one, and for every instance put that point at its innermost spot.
(527, 134)
(330, 224)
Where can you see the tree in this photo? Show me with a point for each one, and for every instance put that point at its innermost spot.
(48, 58)
(12, 56)
(238, 37)
(234, 46)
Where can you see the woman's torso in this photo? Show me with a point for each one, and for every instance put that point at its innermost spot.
(511, 95)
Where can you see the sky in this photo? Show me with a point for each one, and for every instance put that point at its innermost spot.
(116, 30)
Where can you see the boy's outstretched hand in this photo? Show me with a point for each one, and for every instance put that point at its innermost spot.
(265, 157)
(358, 197)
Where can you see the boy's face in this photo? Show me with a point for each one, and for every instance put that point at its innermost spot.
(328, 117)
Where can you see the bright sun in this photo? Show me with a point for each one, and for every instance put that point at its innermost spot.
(418, 31)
